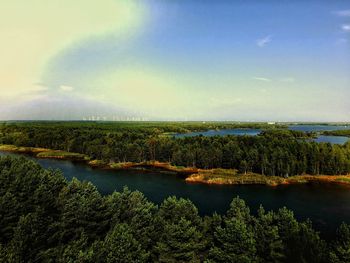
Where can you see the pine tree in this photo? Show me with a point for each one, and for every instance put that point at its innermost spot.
(341, 248)
(233, 243)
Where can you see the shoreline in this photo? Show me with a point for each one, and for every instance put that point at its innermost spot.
(216, 176)
(258, 179)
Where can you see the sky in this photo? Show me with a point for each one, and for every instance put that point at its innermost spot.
(273, 60)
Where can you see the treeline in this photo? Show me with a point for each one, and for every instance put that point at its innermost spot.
(44, 218)
(274, 152)
(338, 133)
(149, 127)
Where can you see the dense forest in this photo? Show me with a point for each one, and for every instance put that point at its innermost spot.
(44, 218)
(275, 152)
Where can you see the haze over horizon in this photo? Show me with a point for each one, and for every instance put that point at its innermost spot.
(175, 60)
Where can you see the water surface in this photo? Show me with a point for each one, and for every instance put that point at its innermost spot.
(223, 132)
(326, 204)
(254, 132)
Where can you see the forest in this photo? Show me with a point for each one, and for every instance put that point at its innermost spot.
(44, 218)
(275, 152)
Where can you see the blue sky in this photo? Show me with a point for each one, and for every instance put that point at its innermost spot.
(179, 60)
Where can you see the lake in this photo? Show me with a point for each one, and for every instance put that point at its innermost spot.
(326, 204)
(254, 132)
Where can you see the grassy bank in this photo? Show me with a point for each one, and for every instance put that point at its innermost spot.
(144, 165)
(193, 175)
(229, 177)
(44, 153)
(56, 154)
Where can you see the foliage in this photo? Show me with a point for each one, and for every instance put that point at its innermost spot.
(47, 219)
(338, 133)
(275, 152)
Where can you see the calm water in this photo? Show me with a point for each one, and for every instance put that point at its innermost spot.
(254, 132)
(332, 139)
(326, 204)
(317, 128)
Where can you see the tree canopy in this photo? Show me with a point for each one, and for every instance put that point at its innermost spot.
(44, 218)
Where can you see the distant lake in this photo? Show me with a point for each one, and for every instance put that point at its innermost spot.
(332, 139)
(224, 132)
(254, 132)
(318, 128)
(326, 204)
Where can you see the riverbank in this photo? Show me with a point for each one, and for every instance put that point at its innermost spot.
(149, 165)
(63, 155)
(45, 153)
(231, 177)
(191, 174)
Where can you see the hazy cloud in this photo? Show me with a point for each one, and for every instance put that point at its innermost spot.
(38, 87)
(66, 88)
(341, 41)
(261, 42)
(342, 13)
(225, 102)
(345, 27)
(287, 80)
(262, 79)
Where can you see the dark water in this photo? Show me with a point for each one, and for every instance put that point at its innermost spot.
(326, 204)
(254, 132)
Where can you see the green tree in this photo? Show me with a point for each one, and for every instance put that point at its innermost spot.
(120, 246)
(340, 251)
(30, 237)
(135, 210)
(179, 242)
(239, 210)
(233, 243)
(82, 210)
(268, 243)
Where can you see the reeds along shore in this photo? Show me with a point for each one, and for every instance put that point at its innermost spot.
(193, 175)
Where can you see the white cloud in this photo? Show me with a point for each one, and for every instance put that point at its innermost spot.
(345, 27)
(262, 79)
(66, 88)
(343, 13)
(261, 42)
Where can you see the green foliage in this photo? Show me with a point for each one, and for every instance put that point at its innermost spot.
(338, 133)
(29, 237)
(233, 243)
(238, 209)
(121, 246)
(47, 219)
(179, 242)
(269, 244)
(82, 210)
(135, 210)
(276, 152)
(341, 247)
(308, 246)
(173, 209)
